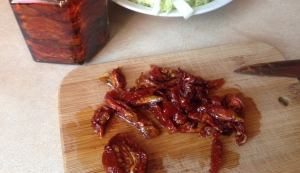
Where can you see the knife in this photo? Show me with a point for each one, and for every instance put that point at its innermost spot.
(290, 68)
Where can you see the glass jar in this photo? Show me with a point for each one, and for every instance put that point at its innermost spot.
(62, 31)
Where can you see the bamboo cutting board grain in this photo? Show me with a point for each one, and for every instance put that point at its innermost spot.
(273, 128)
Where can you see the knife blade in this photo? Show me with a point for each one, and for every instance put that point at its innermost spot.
(289, 68)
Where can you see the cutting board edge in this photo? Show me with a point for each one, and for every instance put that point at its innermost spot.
(193, 50)
(79, 68)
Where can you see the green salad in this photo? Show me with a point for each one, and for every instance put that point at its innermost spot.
(166, 5)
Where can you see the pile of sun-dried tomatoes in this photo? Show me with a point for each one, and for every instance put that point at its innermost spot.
(180, 102)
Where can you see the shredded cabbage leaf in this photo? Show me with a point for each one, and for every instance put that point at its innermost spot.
(166, 5)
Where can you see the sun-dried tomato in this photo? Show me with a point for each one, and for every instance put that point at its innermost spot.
(204, 118)
(140, 96)
(115, 79)
(100, 118)
(181, 102)
(233, 102)
(222, 113)
(191, 127)
(123, 155)
(132, 116)
(241, 136)
(216, 155)
(162, 74)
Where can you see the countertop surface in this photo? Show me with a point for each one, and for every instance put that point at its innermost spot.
(29, 121)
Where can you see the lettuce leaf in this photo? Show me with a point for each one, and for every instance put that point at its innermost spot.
(166, 5)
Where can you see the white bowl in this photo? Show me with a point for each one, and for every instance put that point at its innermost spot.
(174, 13)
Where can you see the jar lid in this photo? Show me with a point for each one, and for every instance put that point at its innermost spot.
(54, 2)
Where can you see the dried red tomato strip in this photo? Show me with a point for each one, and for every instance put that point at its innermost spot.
(140, 96)
(180, 102)
(216, 155)
(175, 97)
(155, 74)
(115, 79)
(171, 128)
(162, 74)
(241, 136)
(146, 126)
(233, 102)
(143, 82)
(121, 108)
(201, 94)
(179, 119)
(215, 100)
(215, 84)
(100, 119)
(191, 127)
(227, 128)
(186, 77)
(123, 155)
(186, 105)
(204, 118)
(188, 91)
(169, 110)
(163, 115)
(156, 110)
(208, 131)
(141, 122)
(219, 112)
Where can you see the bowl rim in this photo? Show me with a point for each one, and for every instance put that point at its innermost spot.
(174, 13)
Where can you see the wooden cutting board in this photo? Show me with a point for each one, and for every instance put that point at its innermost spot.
(273, 128)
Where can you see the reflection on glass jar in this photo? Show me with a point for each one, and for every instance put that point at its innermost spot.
(62, 31)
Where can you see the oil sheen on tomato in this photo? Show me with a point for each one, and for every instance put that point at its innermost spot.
(123, 155)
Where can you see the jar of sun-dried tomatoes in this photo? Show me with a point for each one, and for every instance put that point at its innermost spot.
(62, 31)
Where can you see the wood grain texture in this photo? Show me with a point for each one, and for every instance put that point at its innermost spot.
(273, 129)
